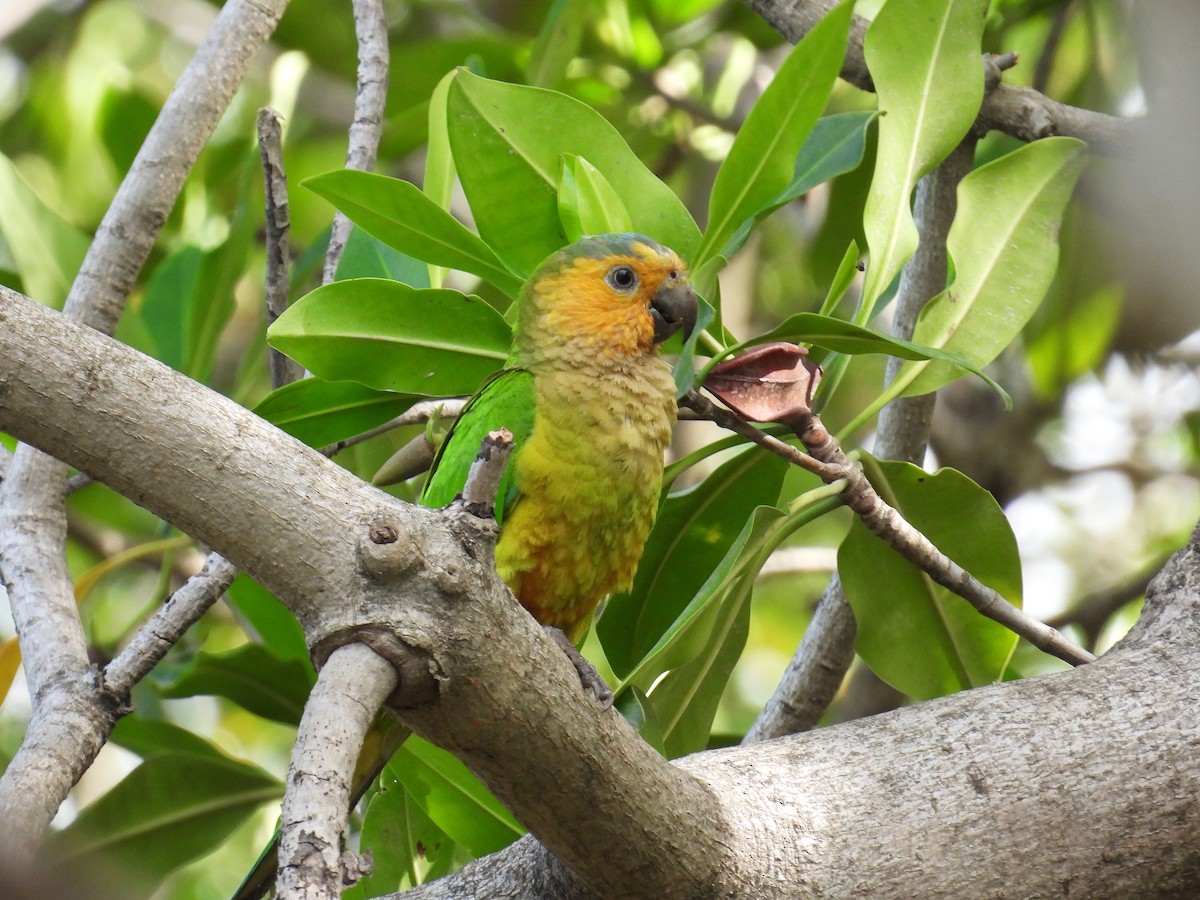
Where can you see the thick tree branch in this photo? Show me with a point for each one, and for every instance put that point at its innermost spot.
(982, 776)
(1018, 111)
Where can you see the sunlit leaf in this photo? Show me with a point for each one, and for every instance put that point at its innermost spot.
(924, 60)
(1004, 243)
(401, 216)
(762, 160)
(508, 142)
(47, 250)
(392, 337)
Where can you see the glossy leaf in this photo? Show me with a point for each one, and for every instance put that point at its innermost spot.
(365, 256)
(693, 531)
(438, 184)
(833, 147)
(842, 279)
(839, 336)
(508, 141)
(406, 847)
(397, 213)
(322, 412)
(392, 337)
(170, 810)
(1004, 243)
(252, 677)
(587, 203)
(48, 251)
(762, 160)
(924, 59)
(915, 634)
(453, 798)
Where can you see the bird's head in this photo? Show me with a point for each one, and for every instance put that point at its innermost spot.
(616, 295)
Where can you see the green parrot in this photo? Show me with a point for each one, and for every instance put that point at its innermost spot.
(590, 403)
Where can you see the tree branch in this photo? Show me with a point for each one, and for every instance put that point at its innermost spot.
(970, 773)
(1020, 112)
(67, 728)
(270, 149)
(350, 689)
(370, 25)
(887, 524)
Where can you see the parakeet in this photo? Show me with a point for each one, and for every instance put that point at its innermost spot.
(590, 403)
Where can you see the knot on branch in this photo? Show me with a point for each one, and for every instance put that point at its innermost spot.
(387, 550)
(417, 673)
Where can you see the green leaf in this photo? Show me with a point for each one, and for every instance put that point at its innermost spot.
(833, 147)
(368, 257)
(1074, 338)
(508, 142)
(694, 530)
(454, 799)
(924, 58)
(914, 633)
(438, 185)
(635, 706)
(322, 412)
(1004, 243)
(842, 279)
(557, 42)
(166, 306)
(155, 737)
(47, 250)
(252, 677)
(267, 620)
(170, 810)
(392, 337)
(587, 203)
(839, 336)
(762, 160)
(397, 213)
(406, 847)
(212, 305)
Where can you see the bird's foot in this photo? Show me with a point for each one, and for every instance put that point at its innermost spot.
(588, 676)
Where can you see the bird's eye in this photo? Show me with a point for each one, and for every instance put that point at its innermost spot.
(623, 278)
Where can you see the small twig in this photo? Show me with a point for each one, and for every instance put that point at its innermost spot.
(162, 630)
(706, 409)
(270, 149)
(417, 414)
(886, 523)
(370, 25)
(483, 480)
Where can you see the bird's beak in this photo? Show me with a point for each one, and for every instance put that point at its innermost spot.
(673, 307)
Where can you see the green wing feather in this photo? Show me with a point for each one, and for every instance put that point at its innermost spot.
(506, 400)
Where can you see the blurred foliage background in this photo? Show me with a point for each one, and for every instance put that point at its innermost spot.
(1097, 465)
